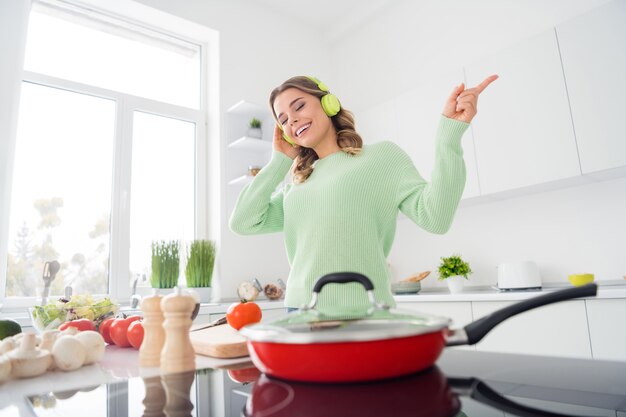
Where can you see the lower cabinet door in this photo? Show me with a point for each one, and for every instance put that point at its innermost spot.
(555, 330)
(606, 324)
(459, 312)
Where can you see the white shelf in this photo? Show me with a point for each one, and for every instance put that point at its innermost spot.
(243, 180)
(251, 144)
(246, 108)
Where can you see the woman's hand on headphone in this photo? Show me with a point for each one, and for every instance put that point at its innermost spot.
(462, 105)
(281, 145)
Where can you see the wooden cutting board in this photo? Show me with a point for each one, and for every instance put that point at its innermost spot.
(219, 342)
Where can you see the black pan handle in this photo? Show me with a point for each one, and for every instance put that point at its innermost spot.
(483, 393)
(476, 330)
(343, 278)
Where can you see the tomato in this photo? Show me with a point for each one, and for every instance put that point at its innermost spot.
(79, 324)
(135, 334)
(245, 375)
(118, 330)
(105, 329)
(240, 314)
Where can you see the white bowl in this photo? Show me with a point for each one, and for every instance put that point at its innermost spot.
(404, 287)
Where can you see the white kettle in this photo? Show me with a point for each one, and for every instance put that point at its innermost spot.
(518, 276)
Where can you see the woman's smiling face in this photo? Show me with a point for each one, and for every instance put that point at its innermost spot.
(302, 118)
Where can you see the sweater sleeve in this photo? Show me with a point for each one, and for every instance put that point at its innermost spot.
(257, 210)
(432, 205)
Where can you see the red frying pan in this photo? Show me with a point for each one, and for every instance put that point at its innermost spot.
(381, 343)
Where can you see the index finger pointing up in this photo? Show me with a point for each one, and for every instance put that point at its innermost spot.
(480, 87)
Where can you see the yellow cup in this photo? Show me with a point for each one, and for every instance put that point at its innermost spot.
(580, 279)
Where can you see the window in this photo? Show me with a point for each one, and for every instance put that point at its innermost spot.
(61, 199)
(111, 118)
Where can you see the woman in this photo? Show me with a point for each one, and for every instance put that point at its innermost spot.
(340, 212)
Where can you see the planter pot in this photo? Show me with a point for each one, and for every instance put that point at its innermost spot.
(204, 293)
(455, 284)
(255, 133)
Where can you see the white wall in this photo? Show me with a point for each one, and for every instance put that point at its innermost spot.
(571, 230)
(397, 50)
(259, 49)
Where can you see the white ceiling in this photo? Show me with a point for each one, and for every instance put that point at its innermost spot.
(332, 18)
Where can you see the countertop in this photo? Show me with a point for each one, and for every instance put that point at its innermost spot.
(118, 364)
(569, 386)
(608, 289)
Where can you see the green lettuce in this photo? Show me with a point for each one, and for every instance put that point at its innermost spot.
(80, 306)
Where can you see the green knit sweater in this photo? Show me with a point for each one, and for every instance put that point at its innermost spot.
(343, 217)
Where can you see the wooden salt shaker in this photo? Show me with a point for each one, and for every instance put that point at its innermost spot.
(177, 354)
(154, 335)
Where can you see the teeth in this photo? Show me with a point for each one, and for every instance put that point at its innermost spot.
(302, 129)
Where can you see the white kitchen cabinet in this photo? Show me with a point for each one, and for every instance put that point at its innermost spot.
(606, 327)
(273, 314)
(418, 112)
(556, 330)
(459, 312)
(523, 132)
(594, 64)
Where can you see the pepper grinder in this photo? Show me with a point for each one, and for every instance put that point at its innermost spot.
(178, 354)
(154, 400)
(177, 389)
(154, 335)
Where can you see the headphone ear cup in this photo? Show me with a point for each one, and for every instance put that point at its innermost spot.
(331, 105)
(285, 137)
(288, 140)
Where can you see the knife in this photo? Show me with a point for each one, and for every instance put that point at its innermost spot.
(218, 322)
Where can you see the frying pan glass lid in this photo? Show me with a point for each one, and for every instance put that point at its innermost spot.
(348, 324)
(300, 328)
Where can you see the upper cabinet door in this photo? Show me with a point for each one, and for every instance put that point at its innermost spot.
(523, 132)
(418, 112)
(593, 49)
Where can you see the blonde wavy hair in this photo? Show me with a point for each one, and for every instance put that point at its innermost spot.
(348, 139)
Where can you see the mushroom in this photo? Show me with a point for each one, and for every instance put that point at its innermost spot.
(68, 353)
(94, 345)
(5, 368)
(28, 360)
(47, 342)
(7, 345)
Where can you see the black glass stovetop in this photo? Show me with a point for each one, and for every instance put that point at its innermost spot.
(463, 383)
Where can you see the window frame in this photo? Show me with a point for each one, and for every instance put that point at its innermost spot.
(206, 151)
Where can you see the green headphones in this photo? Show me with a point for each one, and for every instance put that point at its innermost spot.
(330, 104)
